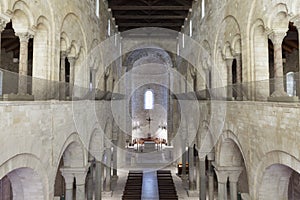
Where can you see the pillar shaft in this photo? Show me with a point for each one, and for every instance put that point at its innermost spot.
(80, 176)
(183, 175)
(72, 61)
(233, 190)
(98, 180)
(115, 157)
(90, 183)
(69, 178)
(239, 76)
(2, 26)
(80, 191)
(233, 179)
(62, 74)
(222, 191)
(210, 181)
(222, 176)
(229, 78)
(277, 39)
(23, 62)
(202, 192)
(108, 171)
(211, 187)
(191, 169)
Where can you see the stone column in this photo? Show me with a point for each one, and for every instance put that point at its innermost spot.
(297, 24)
(62, 75)
(69, 179)
(202, 193)
(183, 174)
(191, 169)
(72, 61)
(2, 26)
(277, 39)
(80, 175)
(23, 62)
(98, 180)
(210, 173)
(115, 161)
(108, 171)
(93, 71)
(239, 76)
(229, 78)
(233, 179)
(90, 183)
(222, 184)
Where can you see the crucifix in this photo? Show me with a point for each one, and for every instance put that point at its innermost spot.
(149, 120)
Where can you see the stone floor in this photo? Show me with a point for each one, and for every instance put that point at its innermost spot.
(118, 185)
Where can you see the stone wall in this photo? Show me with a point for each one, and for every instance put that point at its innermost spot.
(266, 134)
(41, 131)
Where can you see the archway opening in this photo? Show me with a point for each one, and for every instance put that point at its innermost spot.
(232, 161)
(280, 182)
(22, 183)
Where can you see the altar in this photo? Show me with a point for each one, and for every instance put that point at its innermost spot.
(149, 146)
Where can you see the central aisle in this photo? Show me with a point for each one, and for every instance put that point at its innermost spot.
(150, 186)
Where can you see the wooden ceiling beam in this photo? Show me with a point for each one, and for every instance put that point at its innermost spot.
(115, 7)
(150, 17)
(150, 24)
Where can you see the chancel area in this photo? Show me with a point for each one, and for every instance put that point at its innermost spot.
(149, 99)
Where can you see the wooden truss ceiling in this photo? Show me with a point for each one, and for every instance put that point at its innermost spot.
(150, 13)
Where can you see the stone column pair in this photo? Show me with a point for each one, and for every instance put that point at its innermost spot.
(224, 174)
(79, 174)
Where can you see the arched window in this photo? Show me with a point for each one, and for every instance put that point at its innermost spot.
(202, 9)
(148, 100)
(290, 84)
(97, 10)
(108, 28)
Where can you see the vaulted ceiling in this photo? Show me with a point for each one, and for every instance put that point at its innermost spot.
(150, 13)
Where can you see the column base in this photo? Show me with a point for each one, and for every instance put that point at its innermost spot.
(283, 98)
(193, 193)
(107, 194)
(17, 97)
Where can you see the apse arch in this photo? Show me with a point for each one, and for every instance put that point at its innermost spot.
(150, 51)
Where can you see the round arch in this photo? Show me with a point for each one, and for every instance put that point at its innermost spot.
(273, 158)
(28, 177)
(73, 139)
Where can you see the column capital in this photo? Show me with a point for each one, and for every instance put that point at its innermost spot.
(63, 54)
(78, 172)
(2, 24)
(24, 36)
(222, 175)
(211, 156)
(229, 61)
(234, 175)
(69, 177)
(296, 22)
(277, 36)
